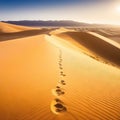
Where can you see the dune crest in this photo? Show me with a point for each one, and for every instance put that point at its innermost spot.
(95, 45)
(47, 77)
(11, 32)
(11, 28)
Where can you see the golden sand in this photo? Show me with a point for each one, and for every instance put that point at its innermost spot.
(30, 69)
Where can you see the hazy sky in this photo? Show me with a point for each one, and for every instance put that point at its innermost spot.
(91, 11)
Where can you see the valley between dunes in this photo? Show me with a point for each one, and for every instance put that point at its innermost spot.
(32, 67)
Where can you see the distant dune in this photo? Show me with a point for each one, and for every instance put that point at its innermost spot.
(112, 33)
(99, 47)
(11, 28)
(45, 75)
(10, 31)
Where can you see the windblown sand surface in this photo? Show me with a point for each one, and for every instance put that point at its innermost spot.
(10, 28)
(97, 45)
(10, 32)
(112, 33)
(48, 77)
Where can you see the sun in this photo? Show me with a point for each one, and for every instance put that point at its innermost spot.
(118, 9)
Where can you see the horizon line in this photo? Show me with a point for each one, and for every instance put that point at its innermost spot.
(91, 23)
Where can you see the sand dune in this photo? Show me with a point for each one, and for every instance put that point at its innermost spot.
(101, 48)
(10, 32)
(10, 28)
(23, 34)
(35, 67)
(112, 33)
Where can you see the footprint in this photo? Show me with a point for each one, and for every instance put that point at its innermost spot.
(58, 107)
(59, 101)
(61, 68)
(59, 92)
(62, 82)
(60, 64)
(63, 75)
(57, 86)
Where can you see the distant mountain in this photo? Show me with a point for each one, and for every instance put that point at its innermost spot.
(62, 23)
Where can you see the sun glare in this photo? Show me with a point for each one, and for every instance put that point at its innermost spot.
(118, 9)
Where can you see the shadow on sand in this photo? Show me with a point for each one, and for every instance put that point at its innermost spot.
(98, 46)
(22, 34)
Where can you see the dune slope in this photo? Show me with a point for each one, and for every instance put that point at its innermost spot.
(112, 33)
(98, 46)
(46, 77)
(10, 32)
(10, 28)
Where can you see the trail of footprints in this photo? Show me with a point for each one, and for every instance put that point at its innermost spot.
(59, 105)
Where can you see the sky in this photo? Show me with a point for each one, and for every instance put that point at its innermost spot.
(90, 11)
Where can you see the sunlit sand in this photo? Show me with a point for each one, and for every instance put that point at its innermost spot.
(58, 74)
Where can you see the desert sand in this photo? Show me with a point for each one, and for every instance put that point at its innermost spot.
(112, 33)
(58, 75)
